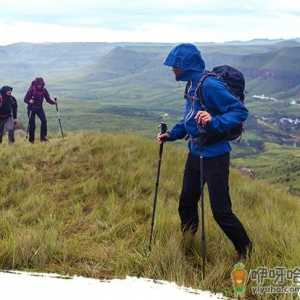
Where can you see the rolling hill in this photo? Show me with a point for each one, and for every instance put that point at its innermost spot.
(272, 73)
(138, 76)
(98, 65)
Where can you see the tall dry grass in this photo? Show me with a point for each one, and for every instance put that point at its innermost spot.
(83, 206)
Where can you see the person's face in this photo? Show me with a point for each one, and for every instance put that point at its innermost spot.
(39, 86)
(177, 72)
(8, 93)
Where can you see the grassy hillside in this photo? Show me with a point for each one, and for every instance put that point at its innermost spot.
(277, 164)
(252, 151)
(83, 205)
(273, 72)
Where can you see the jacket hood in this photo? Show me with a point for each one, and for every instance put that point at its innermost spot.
(187, 58)
(5, 89)
(38, 81)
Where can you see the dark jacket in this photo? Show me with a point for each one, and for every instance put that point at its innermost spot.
(37, 95)
(8, 104)
(226, 110)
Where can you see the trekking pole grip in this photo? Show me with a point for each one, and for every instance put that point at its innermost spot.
(56, 105)
(163, 128)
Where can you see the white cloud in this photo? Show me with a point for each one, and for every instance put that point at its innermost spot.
(214, 5)
(152, 21)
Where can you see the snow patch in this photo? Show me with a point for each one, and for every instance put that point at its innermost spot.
(20, 285)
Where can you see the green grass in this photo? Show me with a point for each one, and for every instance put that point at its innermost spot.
(83, 206)
(96, 116)
(277, 164)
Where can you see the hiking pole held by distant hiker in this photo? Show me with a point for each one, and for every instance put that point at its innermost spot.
(203, 238)
(59, 118)
(163, 129)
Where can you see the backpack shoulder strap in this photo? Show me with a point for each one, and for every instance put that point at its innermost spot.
(199, 90)
(187, 87)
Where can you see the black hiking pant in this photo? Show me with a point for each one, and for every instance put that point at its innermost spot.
(216, 175)
(42, 116)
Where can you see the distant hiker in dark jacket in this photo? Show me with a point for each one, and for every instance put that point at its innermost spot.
(8, 113)
(223, 112)
(35, 98)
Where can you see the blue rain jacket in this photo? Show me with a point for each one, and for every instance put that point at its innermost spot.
(226, 110)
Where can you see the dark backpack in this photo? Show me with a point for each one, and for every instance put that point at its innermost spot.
(235, 82)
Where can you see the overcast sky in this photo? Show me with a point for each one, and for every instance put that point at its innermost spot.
(147, 20)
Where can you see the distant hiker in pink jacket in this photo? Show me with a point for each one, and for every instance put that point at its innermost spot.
(34, 99)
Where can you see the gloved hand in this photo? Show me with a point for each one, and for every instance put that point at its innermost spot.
(203, 118)
(162, 137)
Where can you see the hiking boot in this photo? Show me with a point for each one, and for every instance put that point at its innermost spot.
(188, 242)
(243, 256)
(44, 140)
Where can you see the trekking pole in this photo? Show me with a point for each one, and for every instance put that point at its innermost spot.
(203, 241)
(59, 118)
(163, 129)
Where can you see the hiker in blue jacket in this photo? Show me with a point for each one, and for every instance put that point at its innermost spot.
(222, 112)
